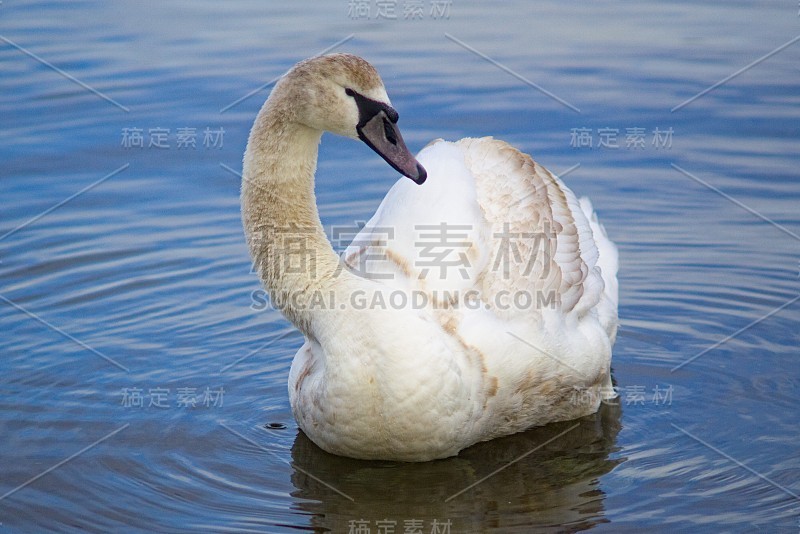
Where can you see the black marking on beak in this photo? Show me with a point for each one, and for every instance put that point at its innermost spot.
(377, 127)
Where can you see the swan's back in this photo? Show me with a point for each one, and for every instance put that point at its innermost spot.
(493, 222)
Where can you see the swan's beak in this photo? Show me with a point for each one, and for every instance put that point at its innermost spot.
(381, 134)
(377, 127)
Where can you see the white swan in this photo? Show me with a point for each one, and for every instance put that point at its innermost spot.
(509, 282)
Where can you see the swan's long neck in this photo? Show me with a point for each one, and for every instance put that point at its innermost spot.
(286, 239)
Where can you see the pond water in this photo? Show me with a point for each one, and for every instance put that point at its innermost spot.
(124, 277)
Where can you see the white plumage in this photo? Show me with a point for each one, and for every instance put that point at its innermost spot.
(476, 305)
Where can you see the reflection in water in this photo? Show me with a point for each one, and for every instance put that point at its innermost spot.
(555, 485)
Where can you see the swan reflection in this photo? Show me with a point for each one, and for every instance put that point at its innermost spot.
(555, 485)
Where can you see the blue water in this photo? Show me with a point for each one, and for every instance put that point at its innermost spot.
(139, 386)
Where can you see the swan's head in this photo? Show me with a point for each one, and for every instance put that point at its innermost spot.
(343, 94)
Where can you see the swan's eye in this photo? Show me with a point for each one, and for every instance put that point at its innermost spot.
(388, 131)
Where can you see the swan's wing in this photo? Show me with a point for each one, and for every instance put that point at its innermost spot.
(558, 238)
(493, 222)
(430, 237)
(607, 260)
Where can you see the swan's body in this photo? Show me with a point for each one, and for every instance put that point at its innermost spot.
(477, 305)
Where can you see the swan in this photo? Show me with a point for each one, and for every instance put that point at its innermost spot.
(480, 300)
